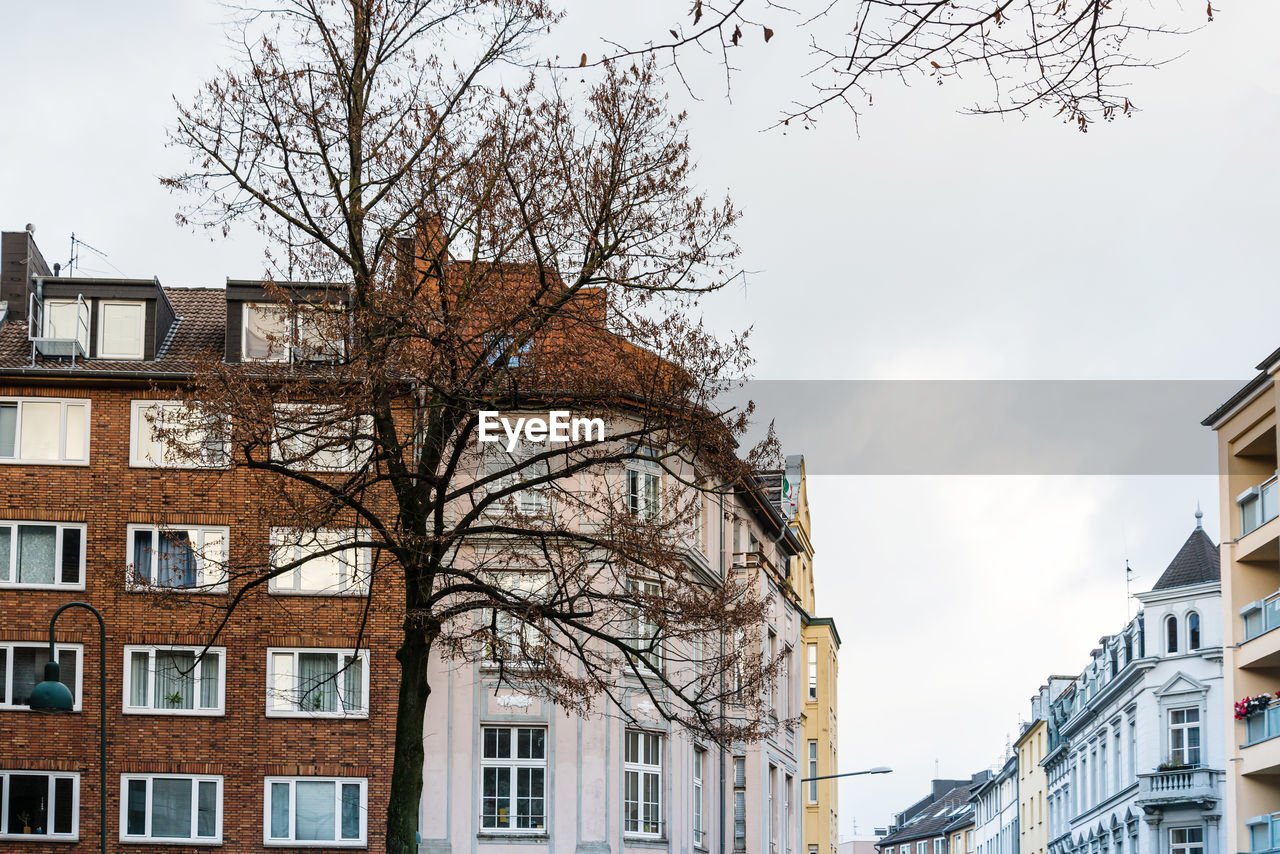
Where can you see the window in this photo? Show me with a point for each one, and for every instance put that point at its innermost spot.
(937, 846)
(770, 654)
(317, 562)
(121, 329)
(39, 803)
(1184, 736)
(1186, 840)
(813, 772)
(168, 808)
(922, 847)
(67, 320)
(174, 680)
(644, 487)
(1193, 631)
(264, 333)
(178, 558)
(22, 668)
(317, 683)
(642, 783)
(315, 810)
(699, 799)
(44, 430)
(1171, 634)
(513, 779)
(813, 671)
(41, 554)
(785, 701)
(312, 437)
(511, 469)
(517, 641)
(771, 815)
(739, 803)
(643, 628)
(786, 814)
(170, 434)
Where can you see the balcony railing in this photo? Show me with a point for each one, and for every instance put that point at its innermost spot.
(1258, 505)
(1179, 784)
(753, 560)
(1262, 726)
(1261, 617)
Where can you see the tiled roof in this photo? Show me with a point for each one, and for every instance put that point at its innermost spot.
(1195, 563)
(201, 329)
(933, 819)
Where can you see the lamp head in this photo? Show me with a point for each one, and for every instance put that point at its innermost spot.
(51, 695)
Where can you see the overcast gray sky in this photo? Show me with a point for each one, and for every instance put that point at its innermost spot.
(933, 246)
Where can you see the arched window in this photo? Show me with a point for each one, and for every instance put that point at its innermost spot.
(1171, 633)
(1128, 649)
(1193, 631)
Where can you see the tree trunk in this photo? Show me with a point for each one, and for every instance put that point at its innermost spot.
(406, 774)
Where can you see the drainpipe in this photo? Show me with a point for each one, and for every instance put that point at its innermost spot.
(722, 685)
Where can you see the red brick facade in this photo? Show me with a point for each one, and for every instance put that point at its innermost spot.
(243, 745)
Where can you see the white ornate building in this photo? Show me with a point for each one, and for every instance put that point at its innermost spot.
(1135, 764)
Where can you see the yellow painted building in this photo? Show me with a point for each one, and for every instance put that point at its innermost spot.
(1248, 451)
(820, 643)
(1033, 789)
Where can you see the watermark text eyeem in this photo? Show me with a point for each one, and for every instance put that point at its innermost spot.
(559, 426)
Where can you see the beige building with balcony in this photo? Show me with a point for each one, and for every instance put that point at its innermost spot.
(1247, 455)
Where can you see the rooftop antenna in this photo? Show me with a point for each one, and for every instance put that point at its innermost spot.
(76, 243)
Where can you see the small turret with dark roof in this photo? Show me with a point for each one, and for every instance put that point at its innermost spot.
(1195, 563)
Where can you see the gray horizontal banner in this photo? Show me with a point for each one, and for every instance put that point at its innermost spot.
(1040, 427)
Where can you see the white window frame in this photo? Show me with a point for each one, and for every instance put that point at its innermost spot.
(47, 330)
(291, 841)
(937, 846)
(210, 458)
(72, 836)
(142, 329)
(637, 493)
(642, 770)
(63, 458)
(209, 579)
(196, 676)
(699, 798)
(9, 579)
(494, 459)
(275, 707)
(6, 648)
(296, 329)
(812, 673)
(327, 461)
(922, 846)
(354, 575)
(640, 629)
(512, 764)
(193, 840)
(1186, 846)
(286, 348)
(515, 636)
(812, 759)
(1184, 728)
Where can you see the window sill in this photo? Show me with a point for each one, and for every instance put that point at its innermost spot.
(40, 837)
(513, 836)
(645, 841)
(188, 843)
(320, 716)
(187, 713)
(211, 590)
(17, 585)
(7, 708)
(311, 844)
(329, 593)
(12, 462)
(135, 464)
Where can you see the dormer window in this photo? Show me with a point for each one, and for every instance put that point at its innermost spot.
(121, 329)
(270, 334)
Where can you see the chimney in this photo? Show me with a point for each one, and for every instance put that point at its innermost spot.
(20, 259)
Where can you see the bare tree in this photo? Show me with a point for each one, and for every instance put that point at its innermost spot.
(1074, 57)
(473, 244)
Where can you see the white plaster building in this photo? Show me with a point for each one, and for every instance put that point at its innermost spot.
(995, 812)
(506, 772)
(1135, 764)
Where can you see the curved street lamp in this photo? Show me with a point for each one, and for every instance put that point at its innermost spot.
(52, 696)
(879, 769)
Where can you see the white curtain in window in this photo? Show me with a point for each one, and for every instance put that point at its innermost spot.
(37, 547)
(139, 678)
(175, 680)
(280, 811)
(41, 429)
(314, 811)
(171, 808)
(317, 687)
(266, 331)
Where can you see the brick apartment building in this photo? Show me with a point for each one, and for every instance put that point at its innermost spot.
(197, 751)
(281, 734)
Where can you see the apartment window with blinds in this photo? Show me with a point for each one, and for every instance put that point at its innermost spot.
(316, 811)
(22, 668)
(642, 783)
(699, 798)
(813, 772)
(174, 680)
(513, 770)
(739, 803)
(171, 809)
(44, 430)
(42, 555)
(813, 671)
(317, 683)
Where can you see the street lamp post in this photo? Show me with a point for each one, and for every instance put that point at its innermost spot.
(52, 696)
(880, 769)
